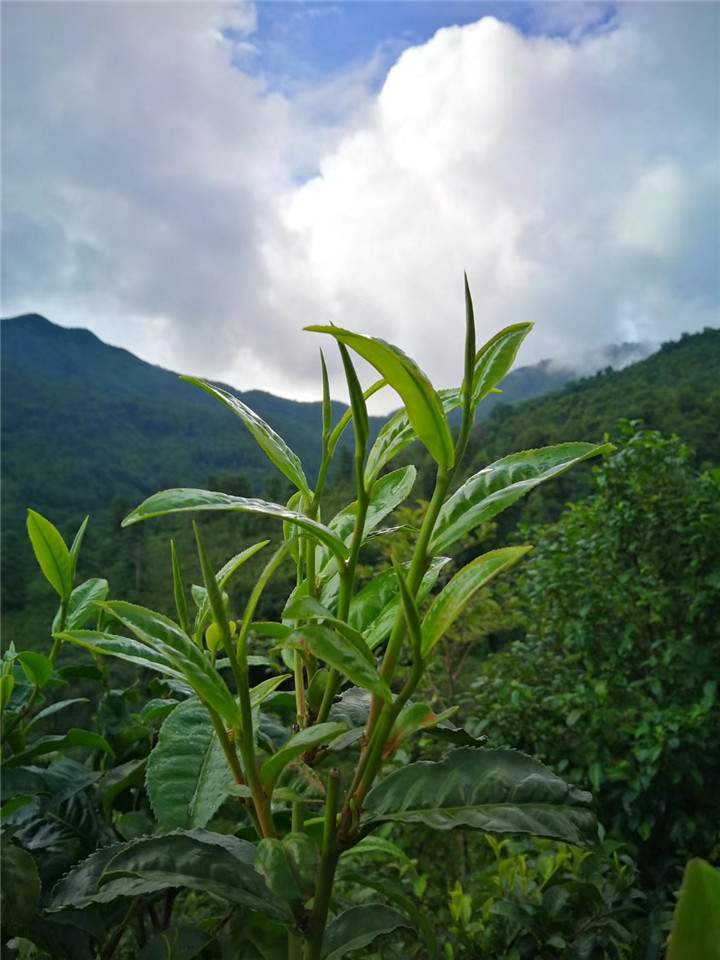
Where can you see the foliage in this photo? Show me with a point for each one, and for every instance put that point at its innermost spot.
(257, 786)
(613, 683)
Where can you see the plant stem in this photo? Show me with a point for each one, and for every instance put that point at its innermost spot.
(326, 873)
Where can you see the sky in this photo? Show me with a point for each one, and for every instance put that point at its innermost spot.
(198, 181)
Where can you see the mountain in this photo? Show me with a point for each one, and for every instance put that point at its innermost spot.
(675, 390)
(84, 423)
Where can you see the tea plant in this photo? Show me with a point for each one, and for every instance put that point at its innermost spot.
(261, 791)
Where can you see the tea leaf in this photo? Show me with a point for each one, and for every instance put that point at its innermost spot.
(423, 405)
(450, 602)
(181, 500)
(51, 553)
(305, 740)
(499, 791)
(187, 773)
(494, 359)
(124, 648)
(359, 926)
(497, 487)
(695, 932)
(272, 445)
(349, 658)
(82, 605)
(165, 636)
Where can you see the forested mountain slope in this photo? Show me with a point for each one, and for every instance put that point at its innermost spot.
(84, 422)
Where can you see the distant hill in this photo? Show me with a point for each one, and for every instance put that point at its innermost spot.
(675, 390)
(84, 423)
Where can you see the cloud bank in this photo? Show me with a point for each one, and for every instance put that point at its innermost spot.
(157, 192)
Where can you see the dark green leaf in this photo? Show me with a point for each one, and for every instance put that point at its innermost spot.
(498, 791)
(272, 445)
(504, 482)
(61, 741)
(452, 599)
(288, 865)
(359, 926)
(54, 708)
(51, 553)
(118, 780)
(19, 890)
(421, 401)
(181, 942)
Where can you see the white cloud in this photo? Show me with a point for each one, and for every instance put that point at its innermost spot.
(152, 190)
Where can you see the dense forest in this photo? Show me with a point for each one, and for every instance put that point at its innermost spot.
(598, 654)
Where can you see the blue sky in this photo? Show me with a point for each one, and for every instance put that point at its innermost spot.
(299, 42)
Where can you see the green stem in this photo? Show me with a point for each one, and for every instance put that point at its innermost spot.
(382, 716)
(56, 644)
(326, 873)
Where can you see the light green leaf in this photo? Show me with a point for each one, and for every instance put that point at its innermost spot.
(450, 602)
(51, 553)
(82, 604)
(498, 791)
(181, 605)
(181, 500)
(305, 740)
(124, 648)
(503, 483)
(421, 401)
(357, 403)
(54, 708)
(272, 445)
(496, 357)
(344, 421)
(77, 544)
(386, 495)
(385, 588)
(222, 576)
(695, 932)
(36, 667)
(187, 772)
(262, 691)
(165, 636)
(359, 926)
(350, 659)
(397, 433)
